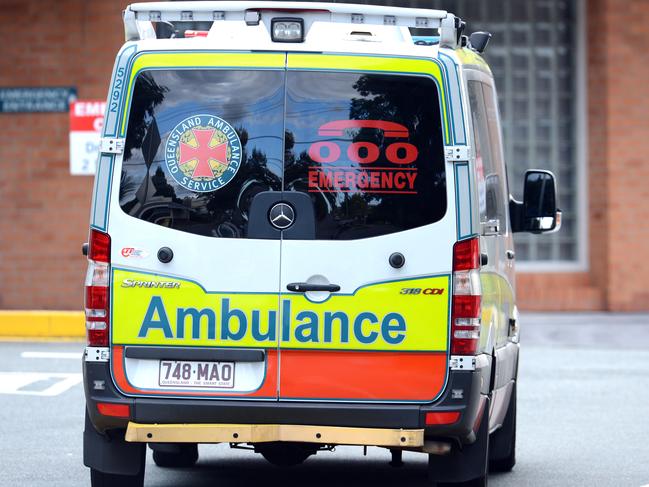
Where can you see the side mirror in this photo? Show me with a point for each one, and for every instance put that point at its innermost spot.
(538, 212)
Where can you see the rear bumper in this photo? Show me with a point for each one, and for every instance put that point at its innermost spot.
(264, 433)
(148, 411)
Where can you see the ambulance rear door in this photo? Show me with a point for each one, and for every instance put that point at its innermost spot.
(194, 291)
(365, 285)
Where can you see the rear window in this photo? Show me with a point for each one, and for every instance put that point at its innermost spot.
(367, 149)
(200, 145)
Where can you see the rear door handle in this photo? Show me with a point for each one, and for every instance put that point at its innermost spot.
(303, 287)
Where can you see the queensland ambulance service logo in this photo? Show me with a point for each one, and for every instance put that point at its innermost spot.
(203, 153)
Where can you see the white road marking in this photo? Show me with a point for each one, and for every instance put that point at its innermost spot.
(63, 355)
(12, 382)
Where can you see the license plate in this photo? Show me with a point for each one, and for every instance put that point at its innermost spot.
(177, 373)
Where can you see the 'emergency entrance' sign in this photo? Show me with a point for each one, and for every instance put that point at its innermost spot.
(86, 121)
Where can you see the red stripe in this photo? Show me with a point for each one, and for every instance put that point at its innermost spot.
(397, 376)
(268, 388)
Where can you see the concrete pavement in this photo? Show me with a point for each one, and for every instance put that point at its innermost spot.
(583, 418)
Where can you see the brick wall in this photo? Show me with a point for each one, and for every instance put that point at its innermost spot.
(44, 215)
(628, 146)
(617, 167)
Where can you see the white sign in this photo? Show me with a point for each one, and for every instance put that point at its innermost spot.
(37, 383)
(86, 122)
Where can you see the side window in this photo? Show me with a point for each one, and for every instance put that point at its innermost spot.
(489, 164)
(496, 146)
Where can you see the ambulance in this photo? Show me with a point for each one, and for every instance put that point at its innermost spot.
(301, 237)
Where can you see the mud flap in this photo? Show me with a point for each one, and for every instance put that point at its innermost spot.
(109, 453)
(464, 463)
(502, 444)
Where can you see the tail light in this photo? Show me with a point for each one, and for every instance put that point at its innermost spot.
(467, 296)
(96, 292)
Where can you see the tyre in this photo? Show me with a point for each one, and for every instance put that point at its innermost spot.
(182, 456)
(466, 466)
(285, 454)
(479, 482)
(502, 444)
(101, 479)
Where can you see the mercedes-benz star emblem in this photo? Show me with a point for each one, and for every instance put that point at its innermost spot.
(281, 216)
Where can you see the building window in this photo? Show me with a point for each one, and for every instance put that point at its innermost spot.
(533, 56)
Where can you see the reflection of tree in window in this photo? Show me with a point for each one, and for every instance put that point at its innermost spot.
(296, 169)
(161, 185)
(384, 99)
(351, 211)
(161, 99)
(147, 95)
(244, 187)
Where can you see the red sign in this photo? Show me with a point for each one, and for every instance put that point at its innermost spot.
(86, 122)
(392, 177)
(87, 116)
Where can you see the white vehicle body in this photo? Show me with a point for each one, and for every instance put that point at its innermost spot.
(385, 302)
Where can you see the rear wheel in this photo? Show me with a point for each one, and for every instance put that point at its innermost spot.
(502, 444)
(479, 482)
(180, 456)
(101, 479)
(466, 466)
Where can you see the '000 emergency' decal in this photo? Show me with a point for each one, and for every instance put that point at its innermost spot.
(360, 170)
(155, 310)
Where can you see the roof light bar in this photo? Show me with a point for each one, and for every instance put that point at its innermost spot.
(138, 15)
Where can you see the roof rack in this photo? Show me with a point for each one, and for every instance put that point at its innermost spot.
(139, 17)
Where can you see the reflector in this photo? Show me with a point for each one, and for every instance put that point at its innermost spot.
(446, 417)
(115, 410)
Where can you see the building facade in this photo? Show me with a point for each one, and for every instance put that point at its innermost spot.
(570, 75)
